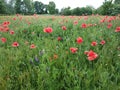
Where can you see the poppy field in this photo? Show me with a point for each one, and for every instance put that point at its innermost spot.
(59, 52)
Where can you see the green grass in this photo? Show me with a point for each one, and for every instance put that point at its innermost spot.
(57, 68)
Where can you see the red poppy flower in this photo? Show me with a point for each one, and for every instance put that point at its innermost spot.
(1, 28)
(17, 15)
(32, 46)
(14, 18)
(11, 32)
(84, 25)
(75, 22)
(94, 43)
(73, 49)
(6, 23)
(79, 40)
(117, 29)
(48, 30)
(59, 38)
(15, 44)
(86, 52)
(64, 28)
(6, 29)
(109, 25)
(92, 55)
(102, 21)
(3, 40)
(102, 42)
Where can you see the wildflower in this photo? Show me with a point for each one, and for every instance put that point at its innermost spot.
(109, 25)
(3, 40)
(102, 42)
(6, 29)
(15, 44)
(36, 59)
(94, 43)
(48, 30)
(11, 32)
(117, 29)
(55, 56)
(6, 23)
(32, 46)
(75, 22)
(14, 18)
(73, 49)
(86, 52)
(64, 28)
(84, 25)
(41, 52)
(79, 40)
(59, 38)
(92, 55)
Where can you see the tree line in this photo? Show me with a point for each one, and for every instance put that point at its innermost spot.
(27, 7)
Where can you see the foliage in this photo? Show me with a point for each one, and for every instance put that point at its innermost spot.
(18, 6)
(2, 7)
(77, 11)
(10, 7)
(65, 11)
(109, 8)
(51, 65)
(117, 1)
(26, 7)
(51, 7)
(39, 7)
(29, 7)
(115, 10)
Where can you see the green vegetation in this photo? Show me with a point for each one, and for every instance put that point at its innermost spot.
(42, 61)
(28, 7)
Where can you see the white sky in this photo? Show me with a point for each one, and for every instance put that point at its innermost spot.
(74, 3)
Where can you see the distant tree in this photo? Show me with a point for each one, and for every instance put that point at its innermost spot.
(89, 9)
(51, 7)
(45, 9)
(40, 8)
(56, 11)
(26, 7)
(76, 11)
(107, 5)
(18, 6)
(117, 1)
(65, 11)
(116, 9)
(2, 7)
(10, 7)
(99, 10)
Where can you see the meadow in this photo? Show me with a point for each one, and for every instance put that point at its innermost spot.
(59, 52)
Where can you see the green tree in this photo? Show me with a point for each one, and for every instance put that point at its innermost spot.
(76, 11)
(51, 7)
(65, 11)
(2, 7)
(89, 9)
(56, 11)
(117, 1)
(116, 9)
(40, 8)
(10, 7)
(106, 7)
(18, 6)
(27, 6)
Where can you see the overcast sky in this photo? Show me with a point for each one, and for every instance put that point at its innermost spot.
(74, 3)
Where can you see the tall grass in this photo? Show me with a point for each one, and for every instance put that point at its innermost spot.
(51, 65)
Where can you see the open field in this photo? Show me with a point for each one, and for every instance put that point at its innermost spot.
(59, 52)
